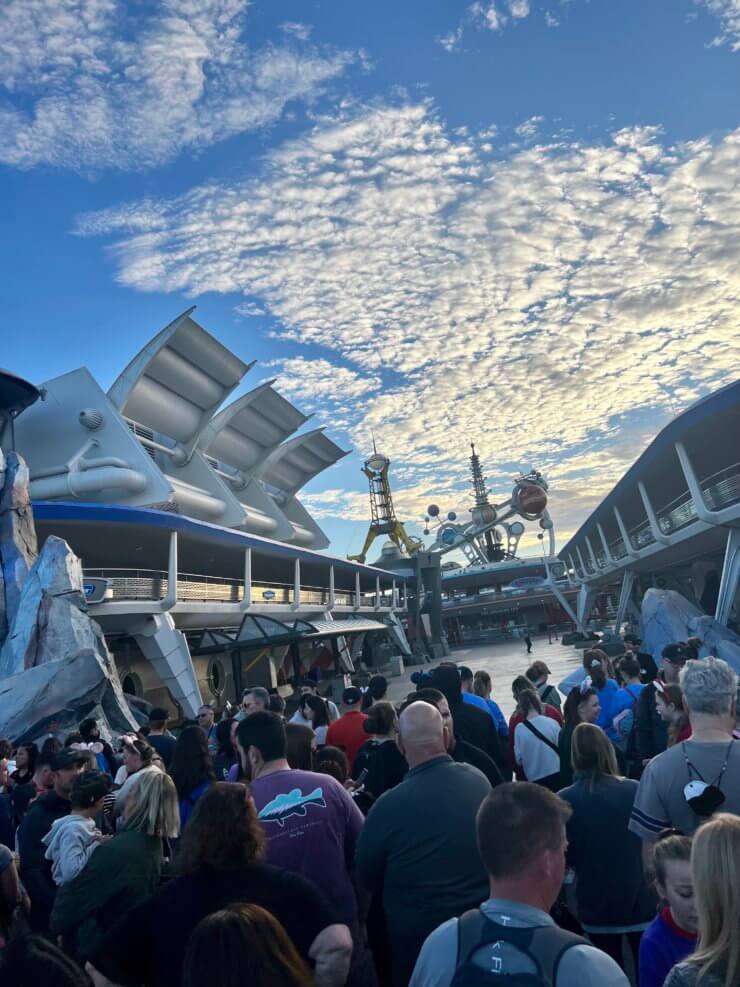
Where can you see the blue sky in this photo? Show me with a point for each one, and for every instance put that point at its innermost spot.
(511, 221)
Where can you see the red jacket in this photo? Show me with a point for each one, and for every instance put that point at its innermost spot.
(348, 734)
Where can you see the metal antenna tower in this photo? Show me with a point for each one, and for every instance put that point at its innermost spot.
(383, 520)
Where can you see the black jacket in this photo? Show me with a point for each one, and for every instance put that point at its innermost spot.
(470, 723)
(35, 869)
(651, 736)
(465, 753)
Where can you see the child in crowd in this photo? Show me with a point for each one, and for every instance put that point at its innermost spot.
(671, 936)
(72, 839)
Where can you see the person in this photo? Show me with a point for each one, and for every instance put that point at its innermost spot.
(522, 842)
(206, 720)
(226, 755)
(219, 865)
(536, 742)
(277, 704)
(21, 796)
(33, 960)
(254, 700)
(316, 714)
(538, 673)
(581, 706)
(521, 683)
(123, 871)
(418, 844)
(376, 691)
(159, 736)
(309, 687)
(243, 944)
(332, 761)
(35, 869)
(626, 700)
(12, 895)
(459, 750)
(613, 898)
(715, 863)
(310, 820)
(687, 783)
(598, 668)
(300, 746)
(528, 642)
(25, 765)
(467, 681)
(669, 707)
(73, 838)
(90, 734)
(379, 756)
(470, 723)
(651, 736)
(192, 770)
(671, 936)
(482, 687)
(138, 758)
(347, 732)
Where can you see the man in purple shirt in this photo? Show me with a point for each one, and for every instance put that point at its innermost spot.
(311, 822)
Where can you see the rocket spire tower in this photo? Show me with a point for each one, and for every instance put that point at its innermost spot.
(383, 520)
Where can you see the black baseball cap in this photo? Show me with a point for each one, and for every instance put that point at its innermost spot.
(88, 788)
(68, 758)
(157, 715)
(352, 696)
(678, 653)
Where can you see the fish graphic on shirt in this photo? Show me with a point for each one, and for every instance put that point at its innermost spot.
(291, 804)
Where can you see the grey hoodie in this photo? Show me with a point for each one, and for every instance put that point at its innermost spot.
(70, 843)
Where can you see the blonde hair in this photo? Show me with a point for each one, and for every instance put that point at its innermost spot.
(593, 752)
(152, 805)
(482, 683)
(715, 861)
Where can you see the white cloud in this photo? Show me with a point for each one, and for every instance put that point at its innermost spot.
(728, 12)
(451, 40)
(297, 30)
(554, 305)
(519, 9)
(551, 20)
(85, 81)
(487, 15)
(529, 128)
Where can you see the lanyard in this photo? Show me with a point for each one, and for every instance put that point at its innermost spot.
(691, 768)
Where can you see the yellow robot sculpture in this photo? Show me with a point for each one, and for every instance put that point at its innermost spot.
(383, 520)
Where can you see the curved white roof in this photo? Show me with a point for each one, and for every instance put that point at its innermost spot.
(299, 460)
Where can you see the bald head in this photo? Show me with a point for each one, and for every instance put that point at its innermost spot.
(421, 733)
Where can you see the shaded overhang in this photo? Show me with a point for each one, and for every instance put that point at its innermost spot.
(258, 631)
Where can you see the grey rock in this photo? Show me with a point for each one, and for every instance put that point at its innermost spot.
(60, 694)
(665, 618)
(18, 545)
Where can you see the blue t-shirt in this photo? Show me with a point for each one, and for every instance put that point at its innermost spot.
(663, 944)
(188, 803)
(608, 699)
(490, 707)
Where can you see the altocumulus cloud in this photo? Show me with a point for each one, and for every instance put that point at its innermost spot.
(83, 82)
(554, 304)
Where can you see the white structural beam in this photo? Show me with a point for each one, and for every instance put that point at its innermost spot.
(625, 592)
(658, 535)
(631, 552)
(723, 516)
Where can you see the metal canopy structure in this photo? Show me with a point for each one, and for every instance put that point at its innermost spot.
(258, 631)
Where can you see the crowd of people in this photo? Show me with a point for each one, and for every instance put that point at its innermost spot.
(593, 838)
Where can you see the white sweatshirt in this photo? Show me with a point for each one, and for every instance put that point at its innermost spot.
(70, 843)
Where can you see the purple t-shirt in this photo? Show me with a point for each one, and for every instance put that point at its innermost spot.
(312, 826)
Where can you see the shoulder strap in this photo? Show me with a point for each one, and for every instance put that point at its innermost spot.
(541, 736)
(551, 944)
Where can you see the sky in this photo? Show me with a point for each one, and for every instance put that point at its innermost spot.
(435, 222)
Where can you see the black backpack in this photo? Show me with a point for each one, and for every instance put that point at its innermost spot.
(543, 945)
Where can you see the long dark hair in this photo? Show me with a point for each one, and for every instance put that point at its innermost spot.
(319, 707)
(573, 700)
(223, 834)
(33, 752)
(243, 944)
(223, 737)
(191, 763)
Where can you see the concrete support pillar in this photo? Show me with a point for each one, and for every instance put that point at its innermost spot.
(658, 535)
(357, 591)
(585, 600)
(247, 599)
(625, 536)
(584, 570)
(296, 584)
(608, 557)
(730, 577)
(592, 554)
(167, 650)
(332, 593)
(625, 592)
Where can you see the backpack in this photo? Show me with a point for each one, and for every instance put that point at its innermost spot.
(544, 946)
(623, 723)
